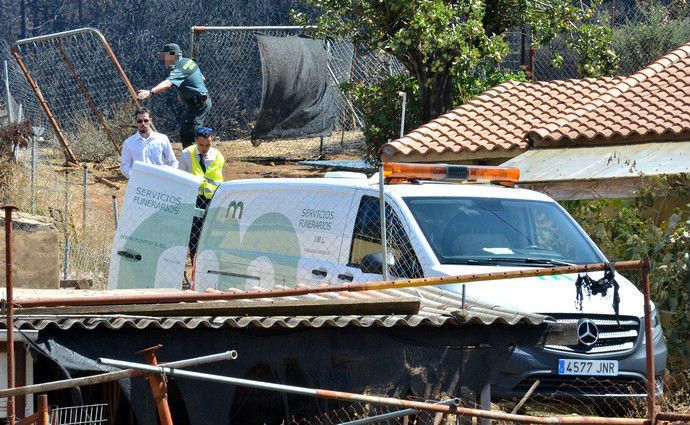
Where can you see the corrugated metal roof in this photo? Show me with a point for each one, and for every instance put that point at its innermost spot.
(357, 165)
(438, 307)
(602, 162)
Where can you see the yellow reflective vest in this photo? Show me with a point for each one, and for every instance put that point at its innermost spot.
(213, 175)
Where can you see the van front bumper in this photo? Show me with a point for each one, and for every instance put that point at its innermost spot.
(528, 364)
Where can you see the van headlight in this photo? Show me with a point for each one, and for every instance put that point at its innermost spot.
(656, 321)
(656, 325)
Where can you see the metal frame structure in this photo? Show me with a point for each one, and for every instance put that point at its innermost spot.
(9, 285)
(44, 103)
(201, 29)
(387, 401)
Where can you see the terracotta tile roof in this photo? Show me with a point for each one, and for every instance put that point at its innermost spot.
(650, 105)
(499, 119)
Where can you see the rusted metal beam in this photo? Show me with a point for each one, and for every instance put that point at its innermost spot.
(107, 182)
(9, 285)
(385, 417)
(353, 397)
(352, 287)
(111, 55)
(43, 410)
(649, 347)
(673, 417)
(159, 388)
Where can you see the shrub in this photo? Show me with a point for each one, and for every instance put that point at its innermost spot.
(655, 225)
(381, 107)
(658, 31)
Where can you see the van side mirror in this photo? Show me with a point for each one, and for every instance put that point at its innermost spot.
(373, 263)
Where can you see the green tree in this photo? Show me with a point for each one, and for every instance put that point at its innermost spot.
(657, 30)
(443, 42)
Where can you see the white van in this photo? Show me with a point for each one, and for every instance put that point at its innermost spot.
(264, 233)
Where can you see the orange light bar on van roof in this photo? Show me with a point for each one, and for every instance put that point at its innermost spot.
(394, 171)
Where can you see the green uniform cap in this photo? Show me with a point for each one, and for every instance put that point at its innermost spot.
(172, 47)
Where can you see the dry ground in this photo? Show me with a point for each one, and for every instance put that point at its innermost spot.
(244, 161)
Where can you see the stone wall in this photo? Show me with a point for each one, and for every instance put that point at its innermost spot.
(36, 254)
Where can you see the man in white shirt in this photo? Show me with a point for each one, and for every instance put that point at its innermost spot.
(146, 145)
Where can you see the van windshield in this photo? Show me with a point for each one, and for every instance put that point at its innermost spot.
(488, 231)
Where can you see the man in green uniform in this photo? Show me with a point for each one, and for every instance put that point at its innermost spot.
(187, 77)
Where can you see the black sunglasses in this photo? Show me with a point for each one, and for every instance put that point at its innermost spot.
(143, 121)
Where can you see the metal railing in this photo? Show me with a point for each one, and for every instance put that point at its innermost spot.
(92, 414)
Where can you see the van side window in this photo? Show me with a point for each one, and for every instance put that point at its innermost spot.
(366, 239)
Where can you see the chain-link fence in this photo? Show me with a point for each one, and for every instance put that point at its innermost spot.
(230, 60)
(76, 75)
(65, 224)
(643, 31)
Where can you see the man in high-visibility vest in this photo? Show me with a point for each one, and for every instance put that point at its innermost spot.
(203, 160)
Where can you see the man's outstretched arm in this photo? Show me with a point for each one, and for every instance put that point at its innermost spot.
(160, 88)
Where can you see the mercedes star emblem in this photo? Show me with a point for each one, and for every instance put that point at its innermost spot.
(587, 332)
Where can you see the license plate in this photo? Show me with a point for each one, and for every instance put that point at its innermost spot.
(588, 367)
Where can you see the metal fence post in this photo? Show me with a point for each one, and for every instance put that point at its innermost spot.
(85, 195)
(9, 285)
(532, 77)
(43, 410)
(65, 264)
(649, 348)
(485, 402)
(402, 113)
(8, 94)
(115, 210)
(382, 212)
(33, 175)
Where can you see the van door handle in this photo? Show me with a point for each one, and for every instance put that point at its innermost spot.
(319, 272)
(131, 255)
(347, 277)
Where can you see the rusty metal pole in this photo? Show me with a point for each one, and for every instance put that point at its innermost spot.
(42, 101)
(651, 387)
(111, 55)
(180, 296)
(372, 399)
(43, 410)
(159, 388)
(9, 286)
(532, 77)
(87, 96)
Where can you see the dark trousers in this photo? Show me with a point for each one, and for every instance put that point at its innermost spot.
(197, 224)
(194, 115)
